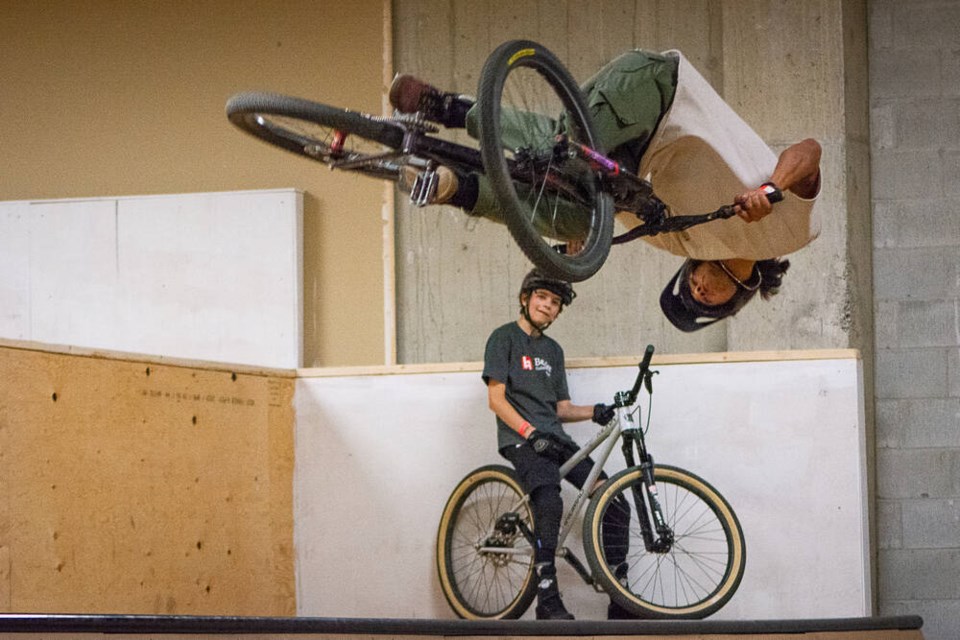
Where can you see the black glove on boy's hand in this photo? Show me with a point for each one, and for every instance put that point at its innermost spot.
(603, 413)
(547, 445)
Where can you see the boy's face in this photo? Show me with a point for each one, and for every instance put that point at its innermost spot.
(544, 306)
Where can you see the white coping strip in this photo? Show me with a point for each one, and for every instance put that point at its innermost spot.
(443, 367)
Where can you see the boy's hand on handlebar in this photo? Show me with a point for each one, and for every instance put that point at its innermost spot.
(603, 413)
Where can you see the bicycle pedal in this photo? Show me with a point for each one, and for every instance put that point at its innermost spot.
(424, 188)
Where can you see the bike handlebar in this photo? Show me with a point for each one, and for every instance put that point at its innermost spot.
(643, 378)
(673, 224)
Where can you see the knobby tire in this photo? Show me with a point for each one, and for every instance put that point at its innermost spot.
(319, 132)
(523, 81)
(705, 565)
(477, 585)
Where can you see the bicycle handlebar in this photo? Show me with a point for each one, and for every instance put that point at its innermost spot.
(643, 377)
(679, 223)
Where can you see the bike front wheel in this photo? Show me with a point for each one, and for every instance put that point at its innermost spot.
(484, 560)
(691, 578)
(342, 139)
(531, 114)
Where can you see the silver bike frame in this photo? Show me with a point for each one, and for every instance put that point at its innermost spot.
(607, 436)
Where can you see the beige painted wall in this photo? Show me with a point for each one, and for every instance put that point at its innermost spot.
(112, 97)
(143, 486)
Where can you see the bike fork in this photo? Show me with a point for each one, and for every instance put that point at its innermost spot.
(657, 536)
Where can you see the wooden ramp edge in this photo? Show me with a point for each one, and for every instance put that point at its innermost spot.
(196, 627)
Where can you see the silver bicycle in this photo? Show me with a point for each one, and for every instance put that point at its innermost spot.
(661, 541)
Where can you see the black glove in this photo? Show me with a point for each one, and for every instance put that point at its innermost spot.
(547, 445)
(603, 413)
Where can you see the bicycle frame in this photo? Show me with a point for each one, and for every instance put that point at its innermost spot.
(631, 193)
(607, 436)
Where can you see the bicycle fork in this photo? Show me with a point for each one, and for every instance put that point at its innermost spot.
(657, 536)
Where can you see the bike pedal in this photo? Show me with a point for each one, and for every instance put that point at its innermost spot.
(424, 188)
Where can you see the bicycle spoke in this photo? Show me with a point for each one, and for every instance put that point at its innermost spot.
(339, 138)
(696, 562)
(547, 196)
(488, 581)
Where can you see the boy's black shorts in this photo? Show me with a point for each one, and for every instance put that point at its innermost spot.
(537, 471)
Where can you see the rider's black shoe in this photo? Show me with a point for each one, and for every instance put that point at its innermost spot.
(616, 612)
(411, 95)
(549, 604)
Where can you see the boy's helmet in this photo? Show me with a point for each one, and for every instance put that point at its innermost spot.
(536, 279)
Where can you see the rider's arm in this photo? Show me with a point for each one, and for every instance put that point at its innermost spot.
(498, 403)
(569, 412)
(797, 170)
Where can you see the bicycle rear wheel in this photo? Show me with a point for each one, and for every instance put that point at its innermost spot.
(526, 99)
(484, 561)
(700, 571)
(339, 138)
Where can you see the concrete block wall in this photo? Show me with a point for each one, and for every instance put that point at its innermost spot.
(914, 50)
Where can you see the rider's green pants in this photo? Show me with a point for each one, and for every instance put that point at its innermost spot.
(626, 99)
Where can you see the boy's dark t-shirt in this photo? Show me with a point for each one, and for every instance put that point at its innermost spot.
(532, 369)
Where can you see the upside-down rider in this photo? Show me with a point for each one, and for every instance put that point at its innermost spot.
(661, 119)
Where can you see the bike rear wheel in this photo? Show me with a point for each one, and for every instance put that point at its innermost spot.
(525, 99)
(339, 138)
(479, 582)
(702, 568)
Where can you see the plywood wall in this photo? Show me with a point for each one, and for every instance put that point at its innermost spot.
(137, 486)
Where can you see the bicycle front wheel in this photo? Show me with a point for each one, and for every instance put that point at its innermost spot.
(484, 561)
(339, 138)
(694, 576)
(526, 99)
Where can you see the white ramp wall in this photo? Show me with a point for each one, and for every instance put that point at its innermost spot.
(209, 276)
(378, 452)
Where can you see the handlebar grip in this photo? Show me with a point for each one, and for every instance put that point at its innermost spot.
(644, 366)
(647, 356)
(772, 191)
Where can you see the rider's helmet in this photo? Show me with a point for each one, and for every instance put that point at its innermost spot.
(687, 314)
(536, 279)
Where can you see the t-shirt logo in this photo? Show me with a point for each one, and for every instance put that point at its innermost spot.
(526, 362)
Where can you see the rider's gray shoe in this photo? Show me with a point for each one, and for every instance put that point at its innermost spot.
(411, 95)
(425, 189)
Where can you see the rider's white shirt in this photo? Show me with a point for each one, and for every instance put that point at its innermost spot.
(703, 155)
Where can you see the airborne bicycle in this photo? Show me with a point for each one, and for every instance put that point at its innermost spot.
(537, 146)
(676, 550)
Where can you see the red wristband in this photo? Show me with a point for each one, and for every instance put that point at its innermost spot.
(526, 429)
